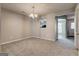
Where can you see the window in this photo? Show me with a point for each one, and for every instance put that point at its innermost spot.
(72, 25)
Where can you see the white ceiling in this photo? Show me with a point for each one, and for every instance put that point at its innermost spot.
(40, 8)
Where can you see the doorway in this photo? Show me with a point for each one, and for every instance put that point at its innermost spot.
(65, 31)
(61, 28)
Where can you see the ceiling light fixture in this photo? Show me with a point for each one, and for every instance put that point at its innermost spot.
(33, 15)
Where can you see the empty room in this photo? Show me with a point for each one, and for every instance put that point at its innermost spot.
(39, 29)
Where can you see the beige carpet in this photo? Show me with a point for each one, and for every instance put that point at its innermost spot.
(37, 47)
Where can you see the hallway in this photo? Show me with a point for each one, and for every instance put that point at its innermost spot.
(65, 30)
(66, 42)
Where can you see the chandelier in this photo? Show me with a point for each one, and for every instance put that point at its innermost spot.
(33, 15)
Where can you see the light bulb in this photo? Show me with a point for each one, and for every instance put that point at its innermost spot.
(36, 15)
(31, 15)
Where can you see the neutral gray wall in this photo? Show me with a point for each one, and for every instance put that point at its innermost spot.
(77, 26)
(70, 31)
(0, 26)
(14, 26)
(47, 33)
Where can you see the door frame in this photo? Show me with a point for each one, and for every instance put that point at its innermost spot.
(56, 18)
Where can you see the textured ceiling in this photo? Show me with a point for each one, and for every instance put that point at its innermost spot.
(40, 8)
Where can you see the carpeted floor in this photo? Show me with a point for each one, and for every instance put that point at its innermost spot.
(66, 42)
(37, 47)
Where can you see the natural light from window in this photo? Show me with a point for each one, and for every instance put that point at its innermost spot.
(72, 25)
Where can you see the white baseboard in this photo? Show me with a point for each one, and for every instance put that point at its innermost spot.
(43, 38)
(36, 37)
(18, 39)
(47, 39)
(15, 40)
